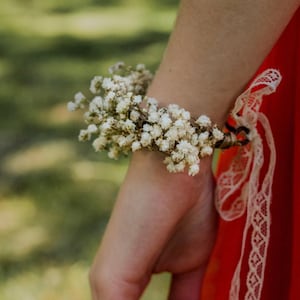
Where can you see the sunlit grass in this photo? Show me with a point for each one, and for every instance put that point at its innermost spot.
(92, 23)
(39, 156)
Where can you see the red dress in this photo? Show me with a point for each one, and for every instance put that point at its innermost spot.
(282, 268)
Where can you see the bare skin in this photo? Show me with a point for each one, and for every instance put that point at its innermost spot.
(166, 222)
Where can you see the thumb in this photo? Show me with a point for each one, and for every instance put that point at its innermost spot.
(187, 285)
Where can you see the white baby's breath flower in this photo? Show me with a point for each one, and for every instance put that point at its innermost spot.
(192, 158)
(177, 156)
(147, 127)
(110, 95)
(107, 125)
(108, 84)
(206, 151)
(123, 106)
(116, 67)
(113, 153)
(129, 125)
(98, 101)
(84, 135)
(184, 147)
(92, 128)
(165, 121)
(171, 167)
(174, 110)
(218, 134)
(146, 139)
(79, 98)
(121, 141)
(152, 101)
(134, 115)
(140, 67)
(164, 145)
(130, 138)
(179, 167)
(172, 134)
(137, 99)
(179, 123)
(194, 169)
(186, 115)
(170, 164)
(93, 107)
(153, 117)
(203, 136)
(156, 131)
(100, 143)
(136, 145)
(203, 121)
(95, 86)
(195, 139)
(71, 106)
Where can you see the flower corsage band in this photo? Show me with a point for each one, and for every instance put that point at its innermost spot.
(122, 119)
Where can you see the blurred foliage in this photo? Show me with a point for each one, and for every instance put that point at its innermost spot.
(56, 194)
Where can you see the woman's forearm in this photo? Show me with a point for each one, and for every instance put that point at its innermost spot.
(215, 48)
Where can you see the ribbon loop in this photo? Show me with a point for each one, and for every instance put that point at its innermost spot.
(244, 174)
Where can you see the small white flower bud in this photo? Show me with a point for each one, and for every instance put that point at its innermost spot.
(179, 123)
(113, 153)
(134, 115)
(218, 134)
(206, 151)
(156, 132)
(95, 86)
(140, 67)
(79, 98)
(186, 115)
(145, 139)
(152, 101)
(137, 99)
(180, 166)
(153, 117)
(107, 84)
(194, 169)
(122, 141)
(203, 136)
(99, 143)
(164, 145)
(92, 128)
(135, 146)
(165, 121)
(129, 125)
(98, 101)
(147, 128)
(84, 135)
(110, 95)
(203, 121)
(71, 106)
(116, 67)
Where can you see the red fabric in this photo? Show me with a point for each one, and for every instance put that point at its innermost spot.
(282, 274)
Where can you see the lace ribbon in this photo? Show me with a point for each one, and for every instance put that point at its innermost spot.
(244, 174)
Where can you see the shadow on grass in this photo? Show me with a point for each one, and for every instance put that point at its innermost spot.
(74, 215)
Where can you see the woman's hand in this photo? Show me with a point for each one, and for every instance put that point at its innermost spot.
(161, 222)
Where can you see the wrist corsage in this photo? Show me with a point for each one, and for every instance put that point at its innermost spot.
(121, 119)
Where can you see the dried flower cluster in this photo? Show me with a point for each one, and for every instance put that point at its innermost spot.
(122, 119)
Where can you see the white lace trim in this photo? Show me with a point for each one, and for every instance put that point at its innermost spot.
(244, 174)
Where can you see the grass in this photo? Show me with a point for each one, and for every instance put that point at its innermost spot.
(56, 195)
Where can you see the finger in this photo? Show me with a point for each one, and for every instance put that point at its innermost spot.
(186, 285)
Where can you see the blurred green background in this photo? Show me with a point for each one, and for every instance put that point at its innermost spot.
(55, 193)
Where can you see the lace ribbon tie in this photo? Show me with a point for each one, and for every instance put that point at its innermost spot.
(244, 174)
